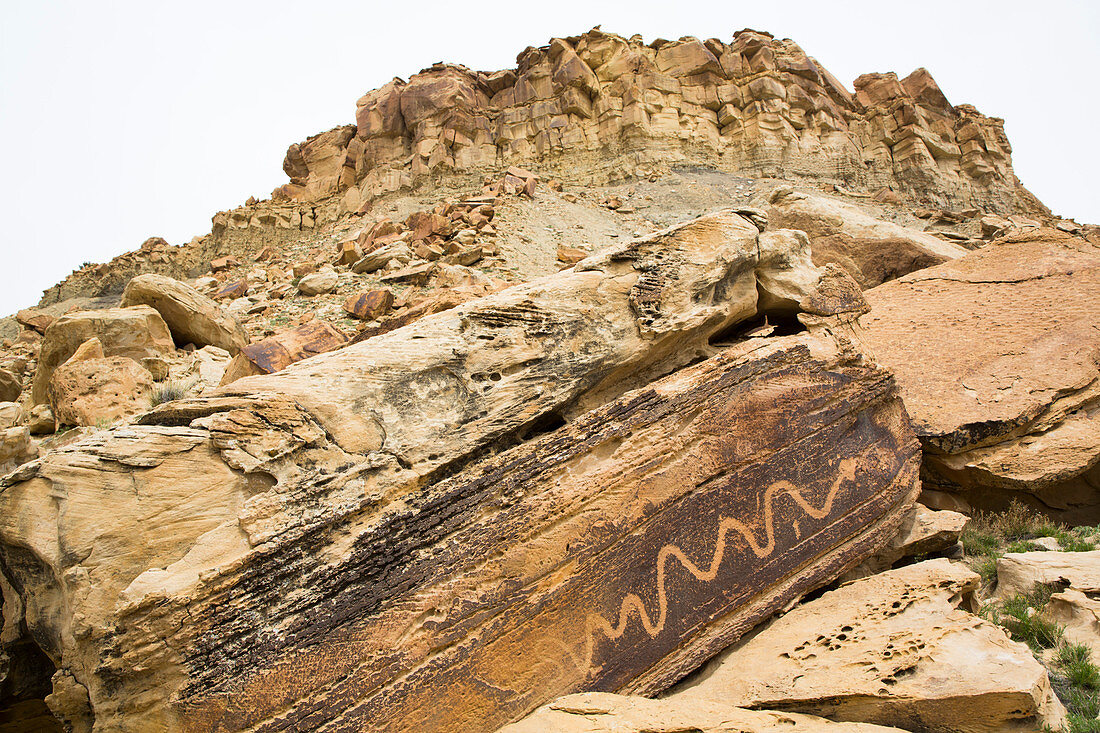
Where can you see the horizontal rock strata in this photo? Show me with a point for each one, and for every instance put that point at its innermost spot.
(617, 107)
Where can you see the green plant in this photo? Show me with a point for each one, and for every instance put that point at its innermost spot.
(1020, 615)
(1076, 664)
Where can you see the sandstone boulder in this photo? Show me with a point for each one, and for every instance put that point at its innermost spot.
(16, 448)
(923, 532)
(601, 712)
(409, 522)
(1079, 616)
(999, 358)
(192, 317)
(98, 391)
(317, 283)
(134, 332)
(872, 250)
(370, 304)
(10, 414)
(34, 319)
(899, 648)
(1021, 572)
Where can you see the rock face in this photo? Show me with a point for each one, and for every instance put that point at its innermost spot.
(601, 712)
(447, 525)
(612, 107)
(96, 391)
(871, 250)
(895, 649)
(192, 317)
(998, 355)
(135, 332)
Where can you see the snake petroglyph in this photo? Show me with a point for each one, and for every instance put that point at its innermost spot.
(596, 623)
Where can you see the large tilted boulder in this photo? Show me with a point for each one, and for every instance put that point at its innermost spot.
(900, 648)
(283, 349)
(192, 317)
(998, 355)
(443, 527)
(136, 332)
(873, 251)
(602, 712)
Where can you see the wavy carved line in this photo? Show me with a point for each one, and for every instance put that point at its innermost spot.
(595, 622)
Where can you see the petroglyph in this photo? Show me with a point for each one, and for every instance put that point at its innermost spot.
(597, 623)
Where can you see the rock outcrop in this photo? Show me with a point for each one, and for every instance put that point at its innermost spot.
(135, 332)
(601, 712)
(192, 317)
(998, 355)
(615, 108)
(899, 648)
(445, 526)
(871, 250)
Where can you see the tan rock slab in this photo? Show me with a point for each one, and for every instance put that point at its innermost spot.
(1021, 572)
(192, 317)
(899, 648)
(872, 250)
(99, 391)
(602, 712)
(996, 352)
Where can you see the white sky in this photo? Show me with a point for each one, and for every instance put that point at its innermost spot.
(124, 120)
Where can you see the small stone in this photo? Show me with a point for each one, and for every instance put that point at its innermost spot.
(318, 283)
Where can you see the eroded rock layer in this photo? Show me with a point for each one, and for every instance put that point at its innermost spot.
(615, 108)
(350, 543)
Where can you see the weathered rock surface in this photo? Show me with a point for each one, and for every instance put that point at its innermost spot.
(94, 392)
(16, 447)
(1079, 617)
(998, 355)
(135, 332)
(1021, 572)
(352, 541)
(601, 106)
(192, 317)
(283, 349)
(899, 648)
(871, 250)
(602, 712)
(318, 282)
(923, 531)
(11, 386)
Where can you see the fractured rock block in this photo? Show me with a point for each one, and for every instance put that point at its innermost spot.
(135, 332)
(996, 354)
(370, 304)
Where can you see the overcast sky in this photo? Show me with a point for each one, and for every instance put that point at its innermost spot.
(124, 120)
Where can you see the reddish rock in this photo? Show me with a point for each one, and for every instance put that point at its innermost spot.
(232, 290)
(283, 349)
(34, 319)
(370, 304)
(224, 263)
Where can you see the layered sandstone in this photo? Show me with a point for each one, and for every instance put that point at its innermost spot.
(604, 107)
(445, 526)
